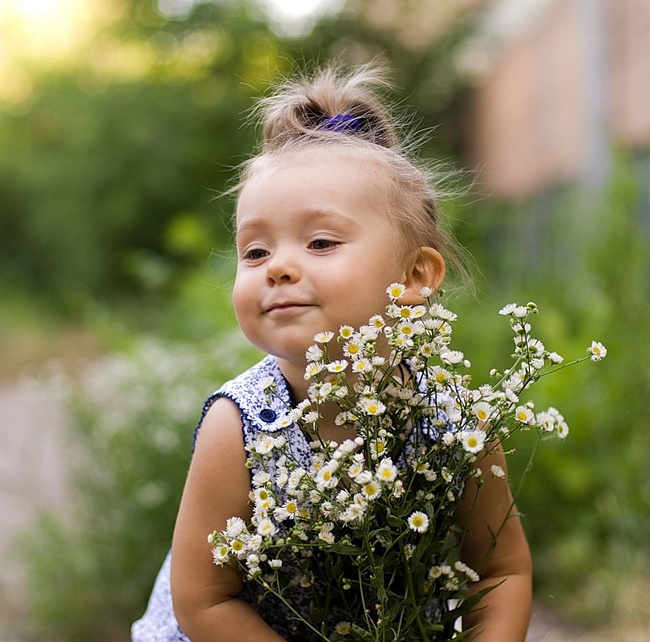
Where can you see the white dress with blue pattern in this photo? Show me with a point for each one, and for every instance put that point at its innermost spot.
(259, 413)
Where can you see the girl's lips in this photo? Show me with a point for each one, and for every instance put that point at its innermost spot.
(286, 306)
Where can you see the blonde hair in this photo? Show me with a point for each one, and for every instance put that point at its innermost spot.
(342, 113)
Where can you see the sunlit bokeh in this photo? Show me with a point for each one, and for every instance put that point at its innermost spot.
(44, 29)
(294, 17)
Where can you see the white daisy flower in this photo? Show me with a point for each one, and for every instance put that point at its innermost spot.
(452, 357)
(514, 310)
(535, 347)
(439, 311)
(377, 448)
(288, 511)
(260, 478)
(325, 533)
(555, 358)
(537, 363)
(313, 368)
(346, 331)
(546, 421)
(418, 522)
(238, 548)
(346, 447)
(525, 415)
(448, 438)
(497, 471)
(510, 394)
(372, 406)
(507, 309)
(263, 444)
(343, 628)
(235, 526)
(395, 290)
(220, 554)
(266, 528)
(353, 348)
(325, 477)
(267, 383)
(405, 312)
(482, 410)
(355, 469)
(264, 500)
(364, 477)
(362, 365)
(323, 337)
(337, 366)
(318, 392)
(597, 351)
(386, 471)
(369, 332)
(440, 375)
(426, 292)
(470, 573)
(314, 353)
(406, 329)
(371, 490)
(472, 440)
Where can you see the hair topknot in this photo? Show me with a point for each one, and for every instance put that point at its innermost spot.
(304, 106)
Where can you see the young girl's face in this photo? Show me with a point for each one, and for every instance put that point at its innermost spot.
(316, 250)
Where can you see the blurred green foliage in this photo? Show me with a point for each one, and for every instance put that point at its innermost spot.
(108, 183)
(132, 417)
(584, 260)
(108, 215)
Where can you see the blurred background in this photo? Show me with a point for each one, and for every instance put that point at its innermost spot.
(122, 121)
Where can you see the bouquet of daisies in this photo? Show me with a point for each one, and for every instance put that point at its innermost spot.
(362, 544)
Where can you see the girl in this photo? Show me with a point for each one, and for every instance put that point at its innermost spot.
(329, 214)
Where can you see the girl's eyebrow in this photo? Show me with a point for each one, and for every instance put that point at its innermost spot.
(331, 217)
(250, 225)
(313, 216)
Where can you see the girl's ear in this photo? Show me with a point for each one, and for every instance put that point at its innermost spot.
(425, 269)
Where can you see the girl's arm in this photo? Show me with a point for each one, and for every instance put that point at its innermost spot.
(488, 512)
(204, 595)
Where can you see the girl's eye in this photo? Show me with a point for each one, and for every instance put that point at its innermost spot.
(322, 244)
(255, 254)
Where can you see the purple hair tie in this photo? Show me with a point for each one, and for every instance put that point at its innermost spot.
(343, 123)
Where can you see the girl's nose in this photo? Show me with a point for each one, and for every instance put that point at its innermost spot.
(282, 267)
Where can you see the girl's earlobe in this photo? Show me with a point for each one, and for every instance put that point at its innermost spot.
(426, 269)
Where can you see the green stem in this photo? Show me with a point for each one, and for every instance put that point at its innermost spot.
(418, 612)
(294, 611)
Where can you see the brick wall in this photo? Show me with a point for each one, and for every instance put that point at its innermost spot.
(561, 94)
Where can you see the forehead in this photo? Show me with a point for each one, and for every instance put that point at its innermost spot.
(325, 178)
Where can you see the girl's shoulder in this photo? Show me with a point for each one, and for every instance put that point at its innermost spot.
(261, 395)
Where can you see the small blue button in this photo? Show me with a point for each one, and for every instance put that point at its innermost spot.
(268, 415)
